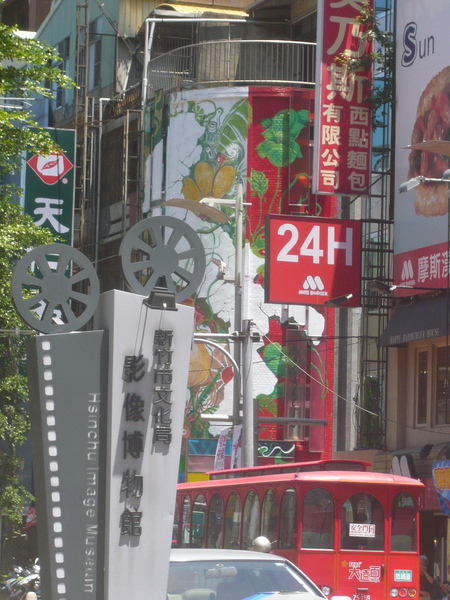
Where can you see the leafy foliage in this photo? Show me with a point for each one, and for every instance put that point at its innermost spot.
(380, 60)
(25, 70)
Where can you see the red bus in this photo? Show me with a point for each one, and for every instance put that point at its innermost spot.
(353, 532)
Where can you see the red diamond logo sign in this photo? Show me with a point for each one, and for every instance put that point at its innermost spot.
(50, 168)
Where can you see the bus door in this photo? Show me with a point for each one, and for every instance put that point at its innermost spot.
(361, 571)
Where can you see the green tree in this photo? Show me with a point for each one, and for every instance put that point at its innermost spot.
(26, 72)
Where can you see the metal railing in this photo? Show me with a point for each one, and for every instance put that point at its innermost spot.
(233, 62)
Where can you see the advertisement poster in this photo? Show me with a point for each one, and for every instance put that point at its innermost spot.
(423, 113)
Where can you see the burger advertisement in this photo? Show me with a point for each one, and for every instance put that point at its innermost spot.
(421, 233)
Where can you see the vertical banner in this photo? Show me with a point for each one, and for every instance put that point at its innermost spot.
(149, 354)
(343, 117)
(68, 426)
(236, 447)
(50, 186)
(219, 459)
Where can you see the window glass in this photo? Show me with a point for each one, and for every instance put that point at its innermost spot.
(362, 523)
(403, 536)
(198, 522)
(288, 519)
(250, 525)
(269, 517)
(215, 522)
(186, 524)
(176, 527)
(317, 519)
(442, 396)
(232, 521)
(422, 387)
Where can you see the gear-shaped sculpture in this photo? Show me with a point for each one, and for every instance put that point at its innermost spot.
(48, 288)
(163, 249)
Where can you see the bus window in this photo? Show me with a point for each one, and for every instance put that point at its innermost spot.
(186, 524)
(269, 517)
(250, 522)
(318, 519)
(215, 522)
(362, 523)
(176, 527)
(232, 521)
(198, 522)
(403, 536)
(288, 520)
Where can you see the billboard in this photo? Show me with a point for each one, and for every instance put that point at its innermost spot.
(343, 116)
(50, 186)
(311, 260)
(421, 256)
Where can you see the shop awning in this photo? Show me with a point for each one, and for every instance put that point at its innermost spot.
(423, 319)
(191, 10)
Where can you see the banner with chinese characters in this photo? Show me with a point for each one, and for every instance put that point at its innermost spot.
(50, 186)
(342, 129)
(149, 353)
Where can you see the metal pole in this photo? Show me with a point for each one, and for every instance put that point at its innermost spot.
(239, 217)
(249, 416)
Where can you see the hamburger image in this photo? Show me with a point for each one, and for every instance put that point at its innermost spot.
(432, 131)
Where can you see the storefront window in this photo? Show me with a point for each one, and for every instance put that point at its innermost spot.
(442, 385)
(422, 387)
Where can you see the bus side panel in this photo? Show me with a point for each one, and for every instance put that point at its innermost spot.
(321, 567)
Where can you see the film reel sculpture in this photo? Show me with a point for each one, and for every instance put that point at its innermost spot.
(55, 288)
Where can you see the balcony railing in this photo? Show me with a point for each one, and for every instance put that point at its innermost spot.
(235, 62)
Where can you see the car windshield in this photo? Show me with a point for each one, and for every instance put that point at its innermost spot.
(233, 580)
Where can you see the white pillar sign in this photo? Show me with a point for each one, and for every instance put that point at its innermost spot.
(147, 380)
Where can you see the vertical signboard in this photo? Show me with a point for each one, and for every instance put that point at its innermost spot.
(421, 235)
(67, 402)
(342, 113)
(149, 361)
(50, 186)
(310, 260)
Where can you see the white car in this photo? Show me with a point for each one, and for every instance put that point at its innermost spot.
(209, 574)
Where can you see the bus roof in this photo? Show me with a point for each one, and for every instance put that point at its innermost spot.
(315, 465)
(365, 478)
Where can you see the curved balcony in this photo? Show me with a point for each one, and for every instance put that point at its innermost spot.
(233, 62)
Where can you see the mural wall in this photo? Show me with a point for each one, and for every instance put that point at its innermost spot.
(203, 142)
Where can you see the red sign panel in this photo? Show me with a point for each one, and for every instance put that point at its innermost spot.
(343, 116)
(310, 260)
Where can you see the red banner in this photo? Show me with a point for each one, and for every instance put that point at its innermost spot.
(343, 116)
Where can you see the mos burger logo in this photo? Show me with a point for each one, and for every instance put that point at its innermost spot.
(50, 168)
